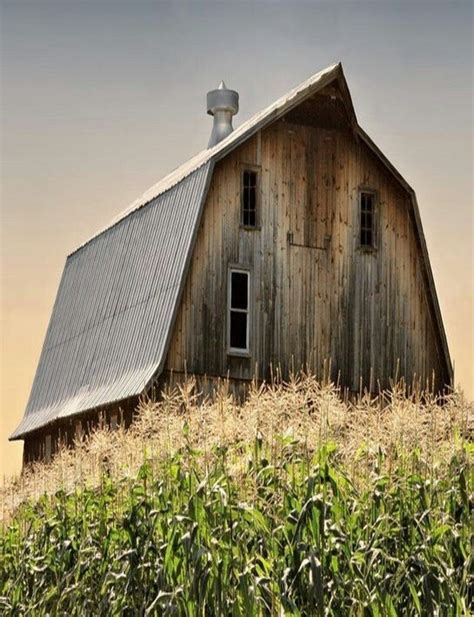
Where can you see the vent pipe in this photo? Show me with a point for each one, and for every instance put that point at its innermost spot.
(222, 104)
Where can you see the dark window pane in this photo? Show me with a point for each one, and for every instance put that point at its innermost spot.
(249, 197)
(250, 178)
(366, 219)
(248, 218)
(238, 330)
(252, 198)
(366, 202)
(239, 290)
(366, 237)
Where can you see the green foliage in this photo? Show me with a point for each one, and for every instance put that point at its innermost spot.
(291, 535)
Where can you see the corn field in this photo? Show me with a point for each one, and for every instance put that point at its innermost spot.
(294, 503)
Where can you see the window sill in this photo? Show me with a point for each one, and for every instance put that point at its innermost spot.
(238, 354)
(250, 227)
(370, 250)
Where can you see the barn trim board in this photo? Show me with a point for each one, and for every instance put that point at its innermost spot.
(120, 294)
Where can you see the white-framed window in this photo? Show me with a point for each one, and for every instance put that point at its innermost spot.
(238, 313)
(47, 448)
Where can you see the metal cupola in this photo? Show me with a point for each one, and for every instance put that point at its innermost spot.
(222, 104)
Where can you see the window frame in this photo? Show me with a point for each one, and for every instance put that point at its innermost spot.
(257, 170)
(238, 351)
(367, 248)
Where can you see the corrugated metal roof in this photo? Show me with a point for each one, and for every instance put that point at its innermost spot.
(115, 307)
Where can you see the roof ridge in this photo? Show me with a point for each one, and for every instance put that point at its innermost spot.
(204, 156)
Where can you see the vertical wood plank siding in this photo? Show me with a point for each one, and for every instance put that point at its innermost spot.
(314, 299)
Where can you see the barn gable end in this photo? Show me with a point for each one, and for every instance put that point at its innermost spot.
(315, 296)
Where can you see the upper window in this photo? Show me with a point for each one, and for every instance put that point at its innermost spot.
(367, 219)
(238, 312)
(249, 197)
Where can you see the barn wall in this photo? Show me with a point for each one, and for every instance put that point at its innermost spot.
(316, 295)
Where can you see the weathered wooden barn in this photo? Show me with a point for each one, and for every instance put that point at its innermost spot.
(289, 241)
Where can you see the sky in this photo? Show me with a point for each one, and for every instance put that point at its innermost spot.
(100, 99)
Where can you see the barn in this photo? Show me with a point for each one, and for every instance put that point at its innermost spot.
(288, 242)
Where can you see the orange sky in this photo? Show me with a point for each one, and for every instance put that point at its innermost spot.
(98, 105)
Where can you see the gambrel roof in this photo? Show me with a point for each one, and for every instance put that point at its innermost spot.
(116, 305)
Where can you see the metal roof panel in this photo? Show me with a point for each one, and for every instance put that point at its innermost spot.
(115, 307)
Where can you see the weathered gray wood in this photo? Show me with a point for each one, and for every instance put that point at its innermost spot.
(366, 311)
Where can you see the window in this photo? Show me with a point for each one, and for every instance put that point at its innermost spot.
(47, 448)
(113, 421)
(238, 313)
(367, 219)
(78, 430)
(249, 198)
